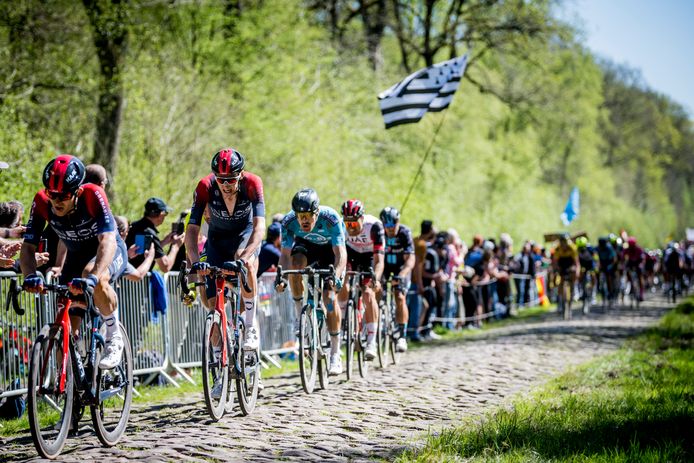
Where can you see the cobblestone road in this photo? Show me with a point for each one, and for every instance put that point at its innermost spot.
(366, 419)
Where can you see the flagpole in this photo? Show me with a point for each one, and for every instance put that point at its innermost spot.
(421, 165)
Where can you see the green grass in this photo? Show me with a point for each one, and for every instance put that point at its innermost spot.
(634, 405)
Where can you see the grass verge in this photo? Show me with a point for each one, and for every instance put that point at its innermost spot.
(634, 405)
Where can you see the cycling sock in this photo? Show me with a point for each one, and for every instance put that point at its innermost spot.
(370, 331)
(216, 352)
(334, 343)
(402, 328)
(249, 305)
(111, 323)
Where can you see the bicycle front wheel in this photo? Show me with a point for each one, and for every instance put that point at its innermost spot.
(115, 393)
(382, 341)
(308, 348)
(360, 344)
(349, 337)
(247, 377)
(50, 410)
(392, 336)
(215, 375)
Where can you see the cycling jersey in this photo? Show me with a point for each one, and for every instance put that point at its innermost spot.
(606, 254)
(370, 241)
(249, 204)
(566, 256)
(585, 257)
(633, 255)
(397, 249)
(329, 229)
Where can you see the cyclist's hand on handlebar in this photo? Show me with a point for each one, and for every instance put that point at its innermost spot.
(234, 266)
(33, 283)
(281, 285)
(334, 282)
(80, 285)
(202, 268)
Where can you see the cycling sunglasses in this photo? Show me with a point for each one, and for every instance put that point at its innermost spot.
(59, 196)
(352, 224)
(304, 215)
(389, 225)
(228, 180)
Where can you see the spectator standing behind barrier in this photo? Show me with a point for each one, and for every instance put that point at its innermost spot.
(414, 297)
(270, 251)
(431, 273)
(144, 232)
(132, 273)
(525, 266)
(11, 213)
(472, 293)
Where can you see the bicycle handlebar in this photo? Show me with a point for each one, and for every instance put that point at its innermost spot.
(237, 266)
(61, 290)
(330, 272)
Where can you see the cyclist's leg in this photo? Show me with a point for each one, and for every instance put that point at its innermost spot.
(250, 298)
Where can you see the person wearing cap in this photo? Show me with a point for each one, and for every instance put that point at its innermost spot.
(145, 231)
(270, 251)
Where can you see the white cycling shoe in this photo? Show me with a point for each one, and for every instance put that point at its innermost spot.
(113, 352)
(252, 341)
(401, 345)
(335, 364)
(370, 351)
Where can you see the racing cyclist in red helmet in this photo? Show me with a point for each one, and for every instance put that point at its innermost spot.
(234, 200)
(365, 244)
(96, 256)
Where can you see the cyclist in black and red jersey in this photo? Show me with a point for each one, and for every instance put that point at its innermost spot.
(234, 199)
(81, 217)
(365, 244)
(634, 258)
(399, 261)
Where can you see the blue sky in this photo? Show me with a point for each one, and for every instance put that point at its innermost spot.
(654, 36)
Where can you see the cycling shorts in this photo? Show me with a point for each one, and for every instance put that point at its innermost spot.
(565, 263)
(359, 260)
(320, 254)
(220, 248)
(395, 270)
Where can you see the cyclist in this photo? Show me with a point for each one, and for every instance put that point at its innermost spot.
(399, 261)
(365, 243)
(315, 234)
(607, 260)
(96, 256)
(586, 257)
(634, 258)
(565, 261)
(234, 200)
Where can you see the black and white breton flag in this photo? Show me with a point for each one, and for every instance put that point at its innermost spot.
(429, 89)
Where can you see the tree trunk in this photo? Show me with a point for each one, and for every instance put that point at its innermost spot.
(374, 20)
(108, 21)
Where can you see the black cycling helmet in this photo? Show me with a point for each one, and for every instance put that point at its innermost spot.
(227, 162)
(389, 215)
(602, 241)
(63, 174)
(305, 200)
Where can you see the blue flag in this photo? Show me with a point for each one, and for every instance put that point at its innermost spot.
(571, 209)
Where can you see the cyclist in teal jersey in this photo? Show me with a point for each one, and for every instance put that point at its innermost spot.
(315, 234)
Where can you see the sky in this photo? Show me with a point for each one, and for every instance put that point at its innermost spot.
(655, 36)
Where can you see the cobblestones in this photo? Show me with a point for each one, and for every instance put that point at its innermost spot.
(365, 419)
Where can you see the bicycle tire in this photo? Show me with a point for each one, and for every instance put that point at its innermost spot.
(247, 380)
(349, 337)
(308, 349)
(382, 341)
(392, 330)
(42, 352)
(360, 345)
(123, 372)
(323, 351)
(212, 369)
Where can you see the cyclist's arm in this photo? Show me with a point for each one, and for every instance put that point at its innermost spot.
(378, 265)
(255, 239)
(104, 253)
(407, 266)
(60, 255)
(340, 259)
(286, 258)
(191, 242)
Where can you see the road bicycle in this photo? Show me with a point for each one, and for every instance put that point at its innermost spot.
(354, 323)
(564, 293)
(387, 333)
(314, 340)
(62, 381)
(231, 363)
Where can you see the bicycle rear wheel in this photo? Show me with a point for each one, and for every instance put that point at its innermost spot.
(393, 334)
(360, 344)
(50, 411)
(382, 342)
(247, 376)
(213, 372)
(115, 392)
(349, 337)
(308, 348)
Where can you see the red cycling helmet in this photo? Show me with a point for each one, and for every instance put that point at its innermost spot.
(63, 174)
(352, 208)
(227, 162)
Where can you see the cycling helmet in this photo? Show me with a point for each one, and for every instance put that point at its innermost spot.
(353, 209)
(564, 238)
(305, 200)
(63, 174)
(631, 241)
(227, 162)
(581, 242)
(602, 241)
(389, 215)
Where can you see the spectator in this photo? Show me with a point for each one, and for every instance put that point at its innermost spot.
(277, 217)
(96, 174)
(270, 251)
(432, 275)
(179, 227)
(132, 273)
(414, 301)
(11, 220)
(155, 213)
(524, 265)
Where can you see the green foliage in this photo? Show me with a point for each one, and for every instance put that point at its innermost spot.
(634, 405)
(539, 116)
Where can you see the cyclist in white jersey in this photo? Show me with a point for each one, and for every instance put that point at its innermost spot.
(365, 243)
